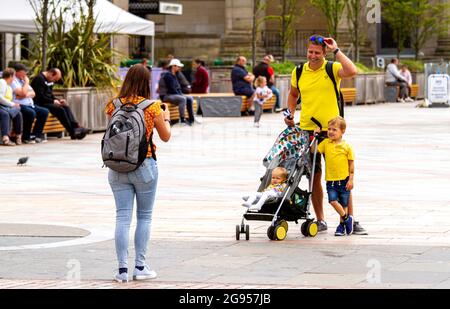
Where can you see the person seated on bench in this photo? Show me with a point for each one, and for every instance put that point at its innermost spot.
(242, 80)
(394, 78)
(170, 91)
(23, 94)
(9, 110)
(264, 69)
(407, 76)
(43, 87)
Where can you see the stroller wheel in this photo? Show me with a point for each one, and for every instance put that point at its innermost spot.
(238, 232)
(271, 232)
(304, 228)
(312, 229)
(280, 232)
(284, 224)
(247, 232)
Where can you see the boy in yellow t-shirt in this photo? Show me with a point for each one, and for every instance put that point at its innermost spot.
(339, 171)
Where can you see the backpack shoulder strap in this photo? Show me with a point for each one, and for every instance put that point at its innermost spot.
(145, 104)
(340, 101)
(117, 103)
(298, 74)
(329, 69)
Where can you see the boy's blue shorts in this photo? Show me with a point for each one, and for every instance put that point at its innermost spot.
(337, 192)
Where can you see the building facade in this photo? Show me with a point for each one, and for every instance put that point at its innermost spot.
(219, 30)
(222, 29)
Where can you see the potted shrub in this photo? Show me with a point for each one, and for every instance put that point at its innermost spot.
(89, 76)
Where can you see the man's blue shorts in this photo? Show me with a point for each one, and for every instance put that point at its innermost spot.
(337, 192)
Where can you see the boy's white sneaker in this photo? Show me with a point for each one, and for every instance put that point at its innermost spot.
(144, 274)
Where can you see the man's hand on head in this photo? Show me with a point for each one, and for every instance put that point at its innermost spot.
(330, 43)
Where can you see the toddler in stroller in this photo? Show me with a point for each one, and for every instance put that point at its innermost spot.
(291, 152)
(275, 189)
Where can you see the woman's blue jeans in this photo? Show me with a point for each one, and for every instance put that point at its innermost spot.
(125, 186)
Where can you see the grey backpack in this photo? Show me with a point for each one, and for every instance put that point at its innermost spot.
(125, 145)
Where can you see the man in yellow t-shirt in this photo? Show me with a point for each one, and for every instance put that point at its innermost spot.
(339, 171)
(318, 100)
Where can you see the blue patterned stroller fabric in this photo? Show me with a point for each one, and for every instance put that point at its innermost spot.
(291, 143)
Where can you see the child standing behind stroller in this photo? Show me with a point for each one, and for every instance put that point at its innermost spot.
(262, 94)
(339, 171)
(275, 189)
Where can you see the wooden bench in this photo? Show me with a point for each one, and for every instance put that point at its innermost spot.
(268, 105)
(175, 113)
(52, 125)
(218, 104)
(414, 91)
(349, 95)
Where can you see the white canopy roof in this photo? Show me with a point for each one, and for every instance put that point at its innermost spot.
(18, 16)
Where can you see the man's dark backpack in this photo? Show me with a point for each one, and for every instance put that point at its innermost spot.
(329, 70)
(125, 144)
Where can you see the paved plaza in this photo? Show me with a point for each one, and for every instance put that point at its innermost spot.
(57, 212)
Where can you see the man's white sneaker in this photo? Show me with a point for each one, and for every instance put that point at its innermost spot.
(144, 274)
(408, 99)
(400, 100)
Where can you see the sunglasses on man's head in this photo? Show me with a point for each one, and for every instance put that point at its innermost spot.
(317, 39)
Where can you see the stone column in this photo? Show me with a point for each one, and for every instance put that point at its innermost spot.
(238, 15)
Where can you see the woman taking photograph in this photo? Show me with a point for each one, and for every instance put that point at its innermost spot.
(141, 182)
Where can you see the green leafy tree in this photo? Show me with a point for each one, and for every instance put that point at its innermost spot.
(289, 13)
(354, 12)
(427, 20)
(258, 7)
(398, 14)
(332, 9)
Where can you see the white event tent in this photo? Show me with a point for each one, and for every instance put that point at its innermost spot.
(18, 16)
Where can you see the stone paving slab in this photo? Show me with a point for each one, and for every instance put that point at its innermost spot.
(151, 284)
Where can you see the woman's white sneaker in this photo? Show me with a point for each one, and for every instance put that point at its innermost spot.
(144, 274)
(121, 278)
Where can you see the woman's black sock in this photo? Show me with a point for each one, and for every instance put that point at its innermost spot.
(123, 270)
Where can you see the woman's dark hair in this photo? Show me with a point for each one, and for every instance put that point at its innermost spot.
(201, 62)
(136, 83)
(8, 72)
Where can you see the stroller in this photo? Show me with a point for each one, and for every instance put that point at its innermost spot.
(291, 150)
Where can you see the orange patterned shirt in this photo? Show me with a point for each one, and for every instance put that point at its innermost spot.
(149, 114)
